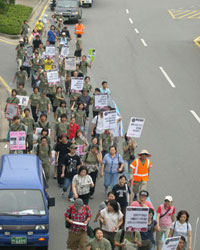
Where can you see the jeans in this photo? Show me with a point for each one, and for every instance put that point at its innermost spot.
(127, 169)
(110, 179)
(42, 112)
(67, 183)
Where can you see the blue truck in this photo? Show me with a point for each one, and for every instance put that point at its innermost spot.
(24, 202)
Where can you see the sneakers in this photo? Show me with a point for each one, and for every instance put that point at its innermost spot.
(71, 200)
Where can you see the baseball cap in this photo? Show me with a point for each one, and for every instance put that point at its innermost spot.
(169, 198)
(144, 192)
(78, 203)
(73, 146)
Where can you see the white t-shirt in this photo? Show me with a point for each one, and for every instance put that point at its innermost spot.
(82, 183)
(116, 130)
(181, 229)
(112, 219)
(100, 124)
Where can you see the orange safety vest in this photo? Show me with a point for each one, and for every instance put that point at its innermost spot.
(79, 29)
(141, 172)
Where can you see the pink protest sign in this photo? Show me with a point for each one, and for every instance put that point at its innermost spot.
(18, 140)
(80, 150)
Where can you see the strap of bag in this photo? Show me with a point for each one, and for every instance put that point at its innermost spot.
(165, 213)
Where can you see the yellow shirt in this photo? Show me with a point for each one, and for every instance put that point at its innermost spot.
(48, 64)
(39, 26)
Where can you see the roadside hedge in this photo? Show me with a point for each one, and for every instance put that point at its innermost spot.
(12, 19)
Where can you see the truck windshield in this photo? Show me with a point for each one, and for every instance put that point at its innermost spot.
(21, 202)
(67, 4)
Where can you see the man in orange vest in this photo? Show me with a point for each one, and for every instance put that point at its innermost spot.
(140, 172)
(79, 28)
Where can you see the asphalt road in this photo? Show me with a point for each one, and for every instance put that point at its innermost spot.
(156, 78)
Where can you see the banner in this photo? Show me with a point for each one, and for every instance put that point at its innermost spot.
(50, 51)
(109, 119)
(136, 219)
(70, 63)
(23, 100)
(52, 77)
(64, 51)
(80, 150)
(171, 243)
(18, 140)
(91, 54)
(135, 127)
(101, 101)
(77, 84)
(11, 110)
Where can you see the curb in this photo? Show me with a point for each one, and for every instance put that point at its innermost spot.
(197, 41)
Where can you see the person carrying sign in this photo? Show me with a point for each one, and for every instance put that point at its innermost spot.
(140, 172)
(165, 217)
(79, 28)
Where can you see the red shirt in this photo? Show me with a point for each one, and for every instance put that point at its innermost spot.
(137, 204)
(72, 130)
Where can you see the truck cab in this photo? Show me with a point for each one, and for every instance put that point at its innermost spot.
(24, 203)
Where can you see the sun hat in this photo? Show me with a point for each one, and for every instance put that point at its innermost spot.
(144, 152)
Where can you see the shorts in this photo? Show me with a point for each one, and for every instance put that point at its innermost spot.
(54, 109)
(77, 240)
(77, 53)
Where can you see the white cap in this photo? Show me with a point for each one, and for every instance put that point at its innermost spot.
(169, 198)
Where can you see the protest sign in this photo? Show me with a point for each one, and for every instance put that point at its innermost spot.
(91, 54)
(136, 219)
(52, 77)
(50, 51)
(18, 140)
(29, 51)
(171, 243)
(39, 130)
(64, 51)
(23, 100)
(101, 101)
(80, 150)
(11, 110)
(135, 127)
(109, 119)
(77, 84)
(70, 63)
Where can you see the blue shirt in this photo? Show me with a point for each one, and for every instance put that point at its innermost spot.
(105, 91)
(51, 36)
(112, 164)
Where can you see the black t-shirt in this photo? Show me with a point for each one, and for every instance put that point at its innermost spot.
(121, 194)
(63, 149)
(36, 43)
(71, 163)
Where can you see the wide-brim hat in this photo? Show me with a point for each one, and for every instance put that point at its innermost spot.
(144, 152)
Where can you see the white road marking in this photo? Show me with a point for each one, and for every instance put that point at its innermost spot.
(137, 31)
(195, 115)
(130, 20)
(167, 77)
(143, 41)
(195, 234)
(127, 11)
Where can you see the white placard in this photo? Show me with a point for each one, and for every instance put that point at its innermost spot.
(77, 84)
(29, 51)
(101, 101)
(109, 119)
(11, 110)
(39, 130)
(23, 100)
(50, 51)
(52, 77)
(70, 63)
(136, 219)
(135, 127)
(171, 243)
(64, 51)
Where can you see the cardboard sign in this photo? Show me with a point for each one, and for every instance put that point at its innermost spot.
(109, 119)
(70, 63)
(91, 54)
(135, 127)
(136, 219)
(64, 51)
(18, 140)
(171, 243)
(11, 110)
(50, 51)
(52, 77)
(77, 84)
(80, 150)
(23, 100)
(101, 101)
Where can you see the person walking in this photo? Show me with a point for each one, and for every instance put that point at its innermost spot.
(142, 200)
(99, 242)
(165, 217)
(140, 172)
(79, 28)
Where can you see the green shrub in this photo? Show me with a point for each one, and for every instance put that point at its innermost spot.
(12, 19)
